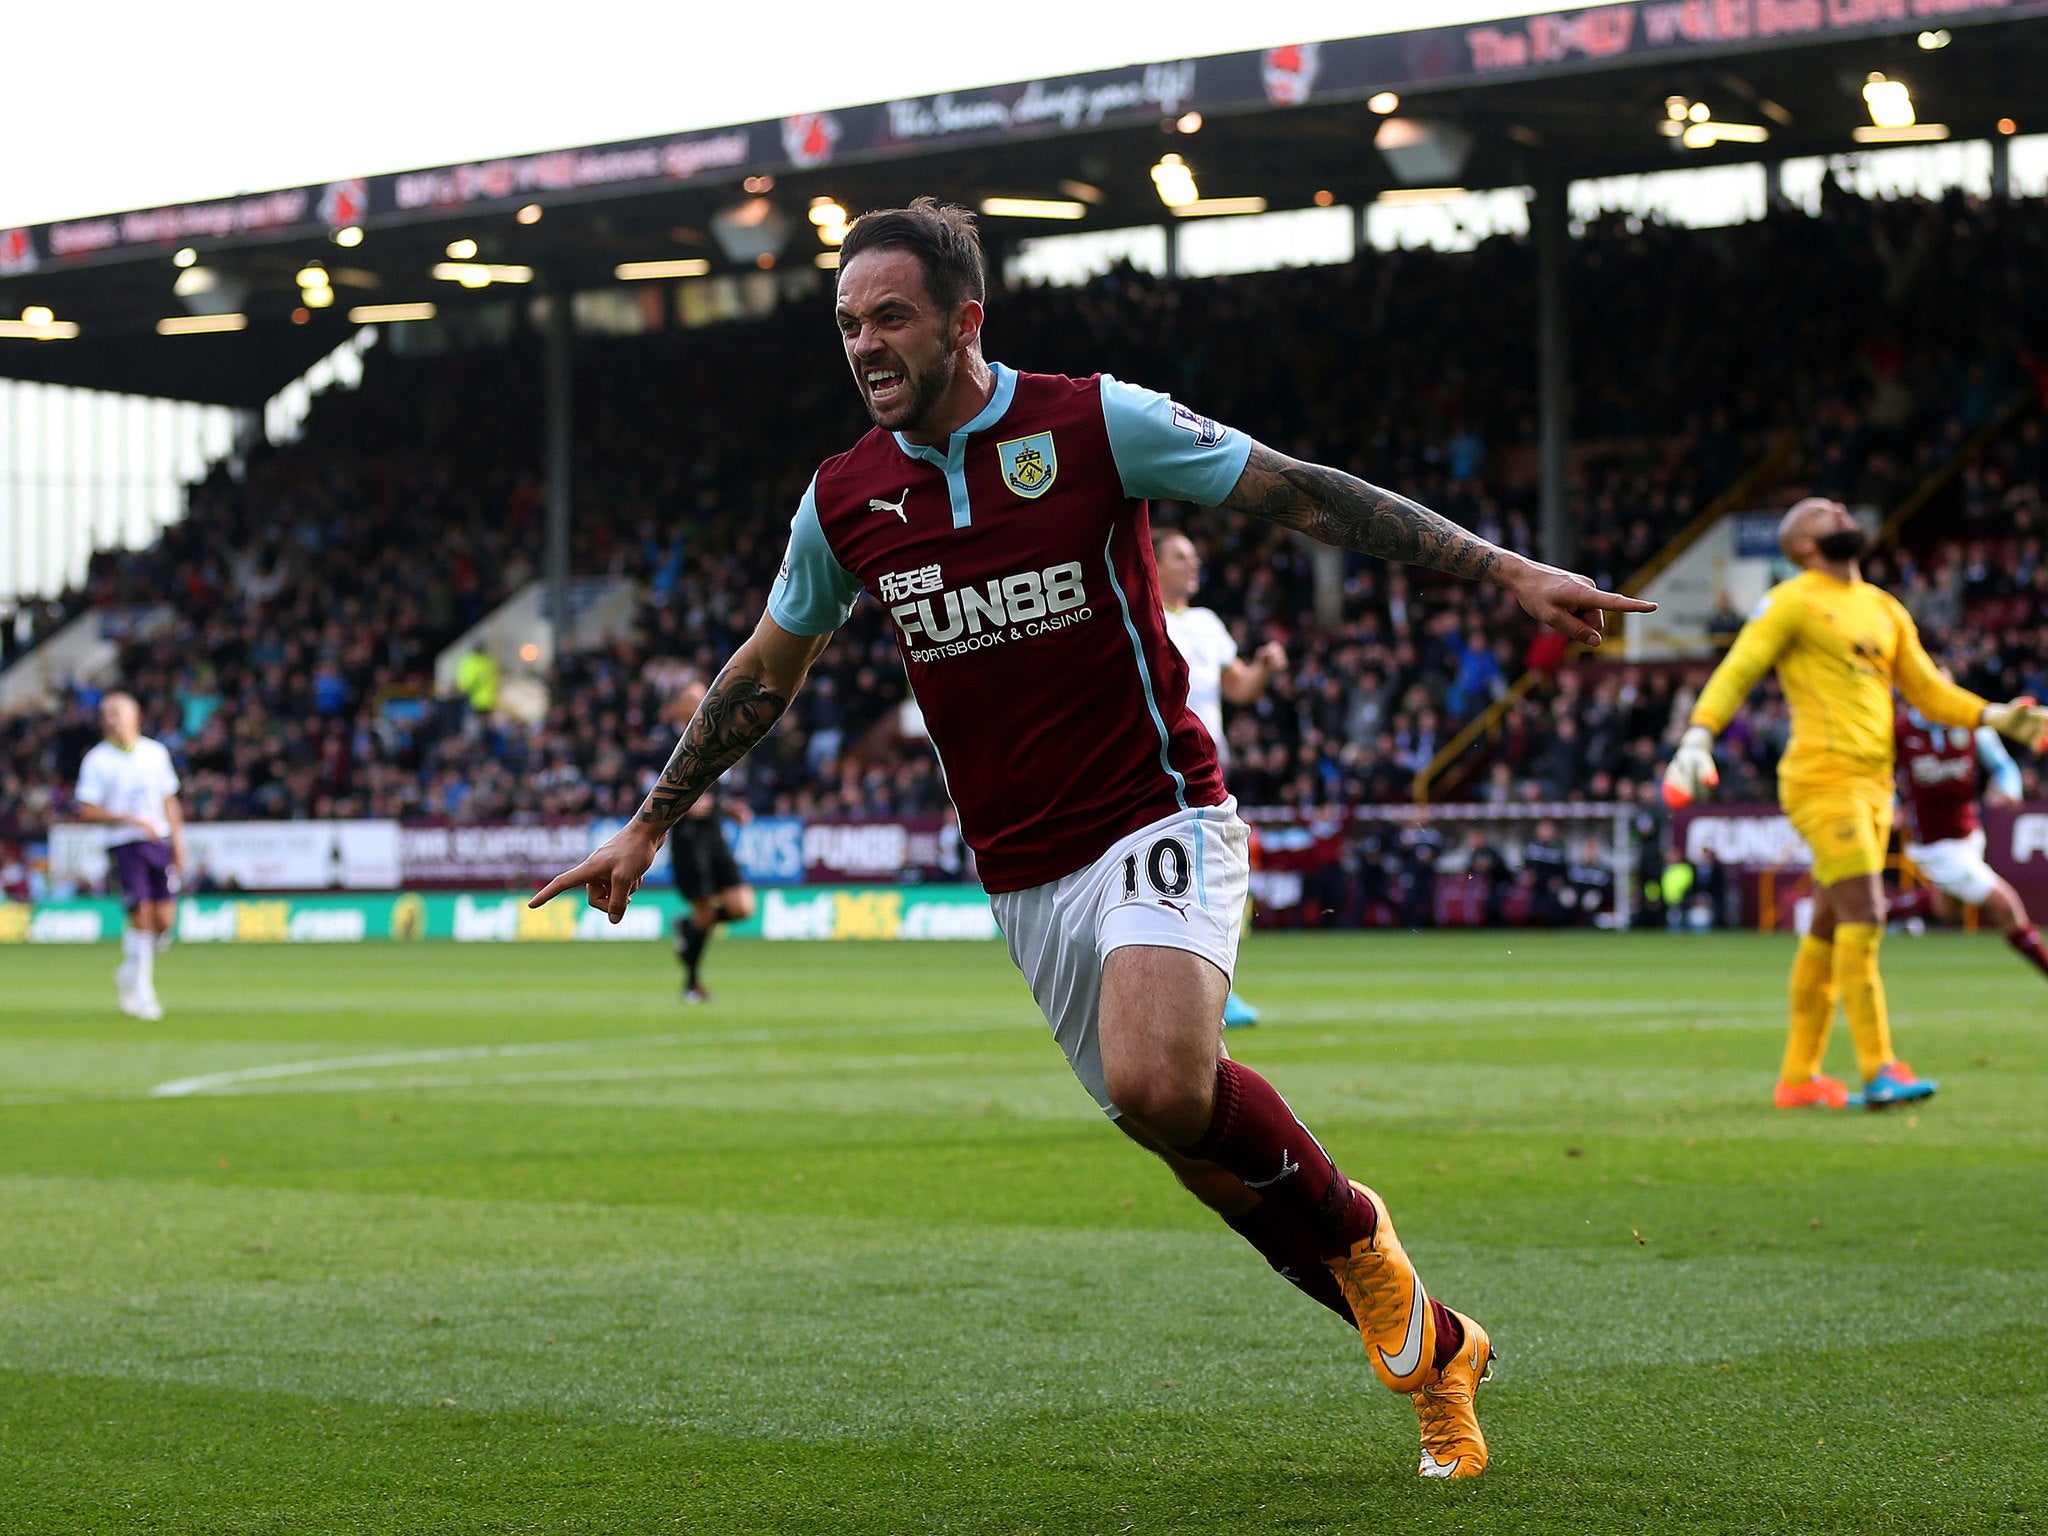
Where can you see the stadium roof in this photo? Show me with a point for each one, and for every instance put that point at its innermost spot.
(1575, 93)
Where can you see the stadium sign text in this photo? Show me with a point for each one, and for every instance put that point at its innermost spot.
(1749, 841)
(1345, 69)
(473, 917)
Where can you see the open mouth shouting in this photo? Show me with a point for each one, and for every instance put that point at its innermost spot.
(886, 386)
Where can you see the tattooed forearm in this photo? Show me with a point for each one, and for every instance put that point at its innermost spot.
(1341, 509)
(737, 712)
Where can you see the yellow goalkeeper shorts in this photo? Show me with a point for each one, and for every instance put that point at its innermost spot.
(1847, 824)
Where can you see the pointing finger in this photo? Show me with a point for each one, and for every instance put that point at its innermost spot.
(1614, 602)
(547, 893)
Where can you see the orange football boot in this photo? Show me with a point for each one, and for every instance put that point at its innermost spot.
(1387, 1298)
(1452, 1445)
(1817, 1092)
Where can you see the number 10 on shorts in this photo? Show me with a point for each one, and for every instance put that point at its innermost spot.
(1166, 869)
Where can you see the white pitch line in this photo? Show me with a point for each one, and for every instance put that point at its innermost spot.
(1394, 1020)
(668, 1071)
(185, 1087)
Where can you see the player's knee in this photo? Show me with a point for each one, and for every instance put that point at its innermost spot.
(737, 904)
(1859, 899)
(1172, 1111)
(2004, 908)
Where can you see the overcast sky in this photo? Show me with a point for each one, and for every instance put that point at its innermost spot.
(120, 104)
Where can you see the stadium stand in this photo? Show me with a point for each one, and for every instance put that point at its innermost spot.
(311, 592)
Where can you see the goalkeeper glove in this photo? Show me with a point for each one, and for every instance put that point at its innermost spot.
(2022, 721)
(1692, 768)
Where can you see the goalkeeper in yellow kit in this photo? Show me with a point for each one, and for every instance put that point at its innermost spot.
(1840, 645)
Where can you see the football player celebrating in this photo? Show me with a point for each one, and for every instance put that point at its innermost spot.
(128, 783)
(1839, 645)
(1215, 671)
(1942, 771)
(999, 518)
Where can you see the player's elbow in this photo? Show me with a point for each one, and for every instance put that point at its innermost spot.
(777, 658)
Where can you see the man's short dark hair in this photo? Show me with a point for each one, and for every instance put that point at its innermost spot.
(940, 235)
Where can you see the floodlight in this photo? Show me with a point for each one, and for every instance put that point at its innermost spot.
(1032, 208)
(1213, 207)
(640, 271)
(200, 325)
(386, 314)
(1890, 102)
(1175, 181)
(24, 329)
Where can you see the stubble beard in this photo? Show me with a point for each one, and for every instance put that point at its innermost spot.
(1842, 544)
(927, 387)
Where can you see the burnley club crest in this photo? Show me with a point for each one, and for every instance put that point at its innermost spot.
(1029, 464)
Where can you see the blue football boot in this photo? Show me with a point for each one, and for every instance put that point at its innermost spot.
(1896, 1084)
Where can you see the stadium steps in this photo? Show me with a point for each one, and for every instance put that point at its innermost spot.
(1468, 751)
(87, 650)
(1945, 474)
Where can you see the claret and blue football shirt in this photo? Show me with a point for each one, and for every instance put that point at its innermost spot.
(1015, 564)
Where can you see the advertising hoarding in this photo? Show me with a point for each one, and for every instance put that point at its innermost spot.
(920, 912)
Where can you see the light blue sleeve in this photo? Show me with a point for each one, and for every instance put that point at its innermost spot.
(814, 593)
(1997, 762)
(1164, 450)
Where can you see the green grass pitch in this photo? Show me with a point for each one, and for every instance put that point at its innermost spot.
(501, 1239)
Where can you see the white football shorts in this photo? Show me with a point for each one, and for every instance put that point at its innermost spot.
(1955, 867)
(1176, 884)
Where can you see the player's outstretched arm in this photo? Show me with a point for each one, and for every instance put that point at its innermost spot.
(741, 707)
(2022, 720)
(1343, 510)
(1937, 696)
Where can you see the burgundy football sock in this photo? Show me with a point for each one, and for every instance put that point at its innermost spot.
(1254, 1134)
(1918, 902)
(2027, 941)
(1285, 1244)
(1450, 1333)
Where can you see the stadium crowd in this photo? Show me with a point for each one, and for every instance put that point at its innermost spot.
(307, 595)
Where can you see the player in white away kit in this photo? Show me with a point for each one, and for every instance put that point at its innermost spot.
(128, 783)
(1215, 671)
